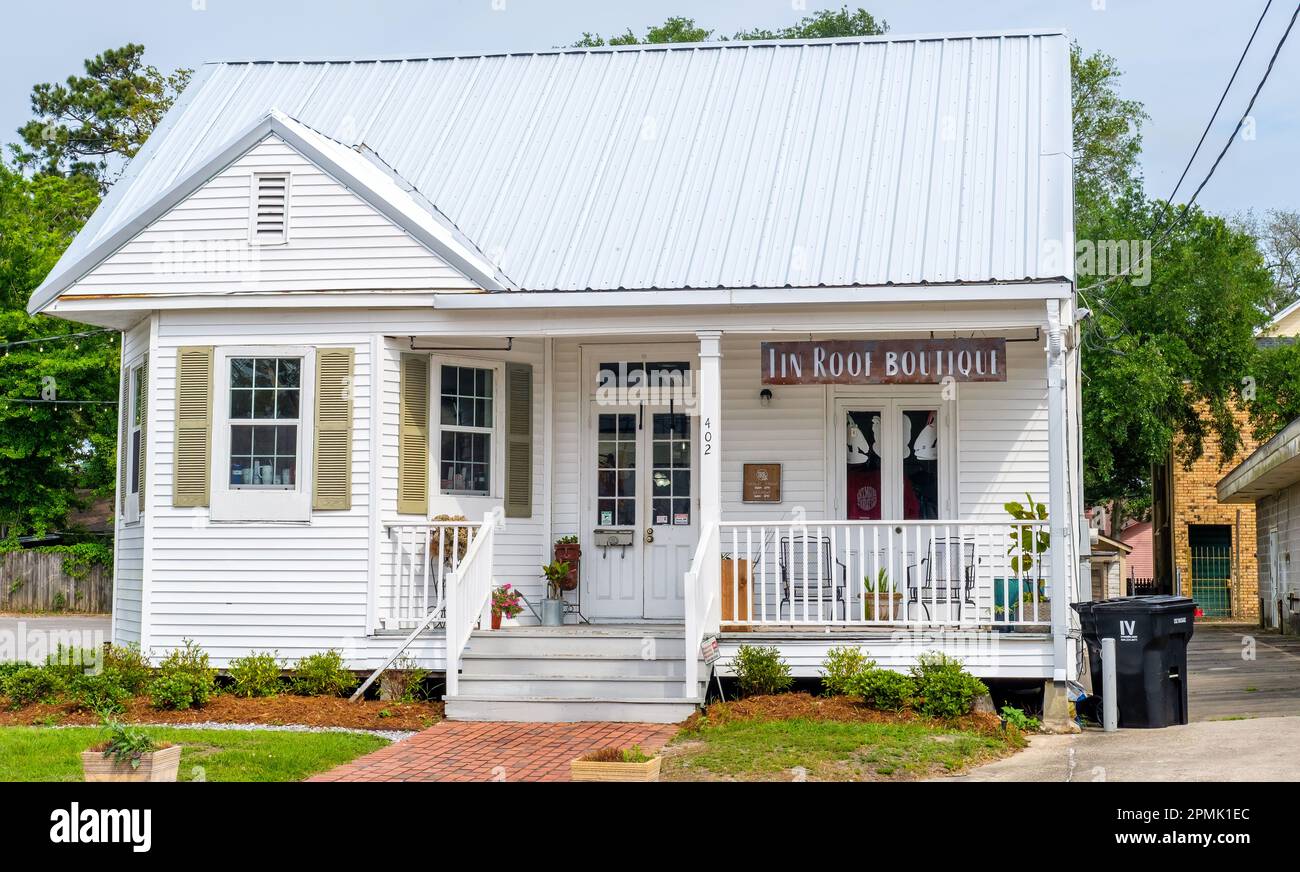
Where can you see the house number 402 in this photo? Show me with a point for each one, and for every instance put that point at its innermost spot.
(708, 436)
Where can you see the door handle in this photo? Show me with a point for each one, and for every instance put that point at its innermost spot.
(649, 535)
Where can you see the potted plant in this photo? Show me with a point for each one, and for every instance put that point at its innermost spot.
(1028, 545)
(557, 576)
(505, 602)
(883, 602)
(130, 755)
(568, 550)
(615, 764)
(736, 604)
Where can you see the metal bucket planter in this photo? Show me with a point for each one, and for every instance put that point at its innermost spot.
(552, 613)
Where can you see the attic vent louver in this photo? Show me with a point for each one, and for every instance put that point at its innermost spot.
(269, 222)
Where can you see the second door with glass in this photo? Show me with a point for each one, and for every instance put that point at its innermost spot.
(892, 460)
(643, 479)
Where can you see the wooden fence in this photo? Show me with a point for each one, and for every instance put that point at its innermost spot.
(34, 581)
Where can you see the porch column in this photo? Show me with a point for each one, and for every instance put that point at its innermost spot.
(1058, 511)
(710, 389)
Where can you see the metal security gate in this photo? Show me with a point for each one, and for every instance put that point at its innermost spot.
(1212, 579)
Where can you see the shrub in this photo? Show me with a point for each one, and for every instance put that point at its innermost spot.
(132, 668)
(8, 669)
(943, 688)
(33, 684)
(885, 689)
(841, 669)
(257, 674)
(322, 675)
(1021, 721)
(180, 691)
(760, 670)
(104, 693)
(127, 745)
(184, 679)
(69, 663)
(404, 681)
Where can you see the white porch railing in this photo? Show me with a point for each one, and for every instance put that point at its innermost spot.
(421, 556)
(469, 595)
(886, 573)
(702, 614)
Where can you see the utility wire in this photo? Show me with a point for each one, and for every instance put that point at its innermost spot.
(56, 338)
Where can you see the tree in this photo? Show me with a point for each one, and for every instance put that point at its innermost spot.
(1278, 232)
(821, 24)
(107, 113)
(1107, 129)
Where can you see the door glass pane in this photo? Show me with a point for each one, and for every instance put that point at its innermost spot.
(920, 441)
(616, 470)
(863, 466)
(671, 476)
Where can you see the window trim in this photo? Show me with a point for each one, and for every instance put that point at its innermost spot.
(132, 452)
(261, 504)
(496, 476)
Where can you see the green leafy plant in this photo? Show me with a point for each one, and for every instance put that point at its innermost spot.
(880, 584)
(633, 754)
(1028, 543)
(103, 693)
(126, 745)
(322, 674)
(557, 578)
(70, 662)
(132, 669)
(405, 681)
(257, 674)
(505, 601)
(885, 689)
(184, 679)
(943, 688)
(760, 670)
(33, 684)
(1021, 721)
(567, 540)
(841, 669)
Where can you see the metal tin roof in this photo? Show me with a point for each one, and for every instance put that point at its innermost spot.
(859, 162)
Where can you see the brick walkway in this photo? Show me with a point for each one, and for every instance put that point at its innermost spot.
(486, 751)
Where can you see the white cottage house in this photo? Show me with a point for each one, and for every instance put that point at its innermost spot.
(807, 306)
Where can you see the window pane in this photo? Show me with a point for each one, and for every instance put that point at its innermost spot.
(627, 484)
(135, 462)
(682, 483)
(663, 483)
(285, 471)
(605, 514)
(626, 512)
(605, 424)
(241, 440)
(605, 483)
(627, 425)
(627, 455)
(264, 403)
(264, 373)
(241, 372)
(605, 457)
(241, 470)
(681, 512)
(286, 405)
(465, 413)
(661, 511)
(466, 376)
(289, 371)
(863, 466)
(241, 404)
(449, 380)
(263, 440)
(286, 441)
(920, 440)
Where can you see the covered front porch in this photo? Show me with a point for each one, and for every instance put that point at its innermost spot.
(711, 498)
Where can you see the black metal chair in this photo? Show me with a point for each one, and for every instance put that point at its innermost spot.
(812, 576)
(949, 578)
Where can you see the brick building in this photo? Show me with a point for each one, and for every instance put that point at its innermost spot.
(1201, 547)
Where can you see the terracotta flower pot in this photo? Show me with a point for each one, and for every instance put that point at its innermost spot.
(496, 620)
(570, 553)
(160, 765)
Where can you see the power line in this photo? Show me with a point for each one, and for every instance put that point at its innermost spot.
(56, 338)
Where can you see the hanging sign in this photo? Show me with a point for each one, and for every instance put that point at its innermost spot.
(884, 361)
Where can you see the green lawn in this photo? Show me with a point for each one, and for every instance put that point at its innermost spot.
(761, 749)
(49, 754)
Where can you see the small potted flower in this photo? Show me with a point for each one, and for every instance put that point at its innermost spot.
(505, 602)
(615, 764)
(130, 755)
(569, 551)
(557, 579)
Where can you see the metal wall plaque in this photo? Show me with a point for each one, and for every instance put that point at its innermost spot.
(884, 361)
(761, 483)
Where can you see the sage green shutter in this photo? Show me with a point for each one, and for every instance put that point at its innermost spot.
(193, 458)
(519, 440)
(142, 454)
(413, 436)
(124, 442)
(331, 466)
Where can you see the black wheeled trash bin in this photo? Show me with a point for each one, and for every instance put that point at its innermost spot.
(1151, 635)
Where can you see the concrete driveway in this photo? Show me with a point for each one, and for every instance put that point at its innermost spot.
(1244, 706)
(30, 637)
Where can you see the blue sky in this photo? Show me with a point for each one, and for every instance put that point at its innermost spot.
(1177, 54)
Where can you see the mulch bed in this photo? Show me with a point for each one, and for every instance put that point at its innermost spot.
(786, 706)
(310, 711)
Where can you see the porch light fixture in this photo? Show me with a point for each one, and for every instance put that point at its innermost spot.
(765, 397)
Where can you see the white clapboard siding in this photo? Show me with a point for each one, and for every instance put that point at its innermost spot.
(1280, 510)
(128, 563)
(336, 241)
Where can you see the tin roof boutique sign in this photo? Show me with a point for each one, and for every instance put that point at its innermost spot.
(884, 361)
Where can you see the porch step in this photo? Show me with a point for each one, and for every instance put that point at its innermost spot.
(575, 673)
(464, 707)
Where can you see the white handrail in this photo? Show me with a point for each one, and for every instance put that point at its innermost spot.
(703, 607)
(469, 595)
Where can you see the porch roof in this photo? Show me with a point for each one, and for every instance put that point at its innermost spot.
(859, 162)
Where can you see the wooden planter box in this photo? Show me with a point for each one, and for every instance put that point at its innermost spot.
(586, 770)
(160, 765)
(733, 608)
